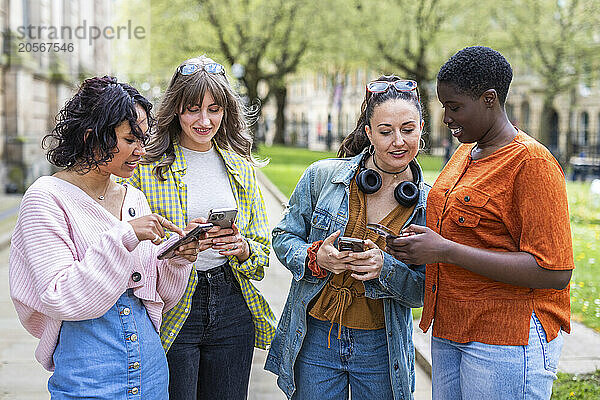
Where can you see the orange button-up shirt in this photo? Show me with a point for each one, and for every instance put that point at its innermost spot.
(512, 200)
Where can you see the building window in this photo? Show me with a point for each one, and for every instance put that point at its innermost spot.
(583, 134)
(525, 116)
(510, 111)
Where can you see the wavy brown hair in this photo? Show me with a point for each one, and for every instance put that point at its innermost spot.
(188, 90)
(357, 140)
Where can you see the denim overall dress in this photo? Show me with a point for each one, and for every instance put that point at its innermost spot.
(117, 356)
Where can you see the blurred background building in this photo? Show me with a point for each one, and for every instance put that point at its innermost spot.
(320, 114)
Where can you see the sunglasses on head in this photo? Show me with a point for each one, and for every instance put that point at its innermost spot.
(404, 85)
(211, 68)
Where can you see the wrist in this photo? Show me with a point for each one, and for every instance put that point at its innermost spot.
(246, 253)
(447, 252)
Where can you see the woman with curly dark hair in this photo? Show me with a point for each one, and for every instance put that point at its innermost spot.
(84, 274)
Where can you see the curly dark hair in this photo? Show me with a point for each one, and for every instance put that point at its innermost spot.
(357, 140)
(473, 70)
(84, 136)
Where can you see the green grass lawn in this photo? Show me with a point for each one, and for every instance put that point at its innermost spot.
(287, 165)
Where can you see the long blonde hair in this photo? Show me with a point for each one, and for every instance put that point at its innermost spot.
(188, 90)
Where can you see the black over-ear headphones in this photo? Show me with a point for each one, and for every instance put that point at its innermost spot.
(369, 181)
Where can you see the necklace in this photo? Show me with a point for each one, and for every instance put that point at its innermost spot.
(388, 172)
(91, 193)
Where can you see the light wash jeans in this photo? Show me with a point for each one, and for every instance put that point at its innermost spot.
(359, 361)
(474, 370)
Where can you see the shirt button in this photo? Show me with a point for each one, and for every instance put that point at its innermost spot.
(134, 390)
(181, 184)
(132, 212)
(126, 311)
(467, 198)
(133, 337)
(171, 334)
(135, 365)
(461, 219)
(433, 288)
(396, 365)
(136, 277)
(187, 310)
(390, 333)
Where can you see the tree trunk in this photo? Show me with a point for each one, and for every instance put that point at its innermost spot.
(252, 96)
(280, 92)
(424, 95)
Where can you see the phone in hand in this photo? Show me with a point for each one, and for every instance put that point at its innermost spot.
(192, 235)
(222, 217)
(382, 230)
(351, 244)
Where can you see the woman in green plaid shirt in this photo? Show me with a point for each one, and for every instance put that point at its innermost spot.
(199, 159)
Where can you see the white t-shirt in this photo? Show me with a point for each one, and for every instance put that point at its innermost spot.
(207, 188)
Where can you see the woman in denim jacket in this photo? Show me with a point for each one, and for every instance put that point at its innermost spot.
(347, 321)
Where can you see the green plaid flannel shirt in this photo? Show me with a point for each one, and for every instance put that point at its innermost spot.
(169, 199)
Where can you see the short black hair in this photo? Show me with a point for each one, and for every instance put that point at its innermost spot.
(473, 70)
(84, 136)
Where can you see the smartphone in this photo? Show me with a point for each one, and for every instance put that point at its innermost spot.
(222, 217)
(351, 244)
(192, 235)
(382, 230)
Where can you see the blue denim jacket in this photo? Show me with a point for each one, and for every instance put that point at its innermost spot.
(317, 208)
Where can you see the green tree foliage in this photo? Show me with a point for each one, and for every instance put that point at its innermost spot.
(415, 37)
(558, 40)
(268, 38)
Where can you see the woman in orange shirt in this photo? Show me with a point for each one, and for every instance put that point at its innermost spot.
(497, 245)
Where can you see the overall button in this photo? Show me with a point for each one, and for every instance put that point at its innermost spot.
(134, 390)
(467, 198)
(136, 277)
(133, 337)
(132, 212)
(126, 311)
(461, 219)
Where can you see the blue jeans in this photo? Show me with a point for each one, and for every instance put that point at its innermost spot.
(477, 370)
(212, 354)
(358, 360)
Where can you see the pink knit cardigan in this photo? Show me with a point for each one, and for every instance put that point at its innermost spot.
(70, 260)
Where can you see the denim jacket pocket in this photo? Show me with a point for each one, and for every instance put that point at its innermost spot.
(320, 223)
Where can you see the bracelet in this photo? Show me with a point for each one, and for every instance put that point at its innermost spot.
(312, 260)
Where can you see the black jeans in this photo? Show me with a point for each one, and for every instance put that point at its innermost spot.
(212, 354)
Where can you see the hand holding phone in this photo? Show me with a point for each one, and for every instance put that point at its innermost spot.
(222, 217)
(351, 244)
(191, 236)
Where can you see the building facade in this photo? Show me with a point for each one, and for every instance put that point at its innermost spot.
(322, 110)
(44, 58)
